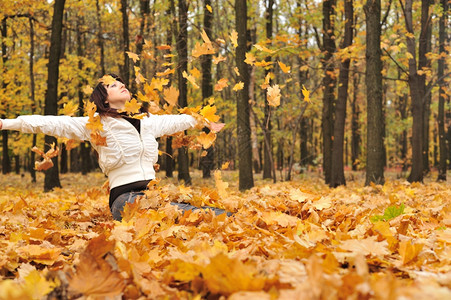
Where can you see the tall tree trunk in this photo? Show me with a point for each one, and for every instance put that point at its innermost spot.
(51, 98)
(416, 86)
(182, 50)
(338, 176)
(355, 126)
(403, 143)
(32, 95)
(375, 144)
(329, 82)
(268, 153)
(246, 180)
(442, 96)
(126, 43)
(100, 43)
(6, 163)
(169, 160)
(207, 161)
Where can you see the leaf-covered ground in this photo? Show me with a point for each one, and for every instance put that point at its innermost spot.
(290, 240)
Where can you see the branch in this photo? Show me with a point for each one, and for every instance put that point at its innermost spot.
(318, 40)
(401, 68)
(386, 14)
(430, 86)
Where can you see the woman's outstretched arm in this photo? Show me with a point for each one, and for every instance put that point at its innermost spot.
(59, 126)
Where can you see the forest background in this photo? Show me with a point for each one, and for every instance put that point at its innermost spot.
(330, 49)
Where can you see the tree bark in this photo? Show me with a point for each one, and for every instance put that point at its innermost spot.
(329, 82)
(32, 96)
(375, 144)
(100, 43)
(355, 126)
(182, 49)
(338, 176)
(442, 96)
(207, 161)
(51, 98)
(246, 180)
(268, 153)
(169, 160)
(6, 162)
(126, 43)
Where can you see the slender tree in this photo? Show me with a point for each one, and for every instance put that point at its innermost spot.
(329, 82)
(207, 161)
(182, 51)
(442, 96)
(355, 125)
(246, 180)
(100, 42)
(338, 176)
(375, 145)
(6, 163)
(51, 97)
(125, 42)
(32, 95)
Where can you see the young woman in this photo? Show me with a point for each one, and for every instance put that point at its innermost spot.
(131, 148)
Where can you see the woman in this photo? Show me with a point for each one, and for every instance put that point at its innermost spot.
(131, 148)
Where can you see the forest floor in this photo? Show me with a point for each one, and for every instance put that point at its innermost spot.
(297, 239)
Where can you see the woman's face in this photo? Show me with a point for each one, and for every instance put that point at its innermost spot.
(117, 95)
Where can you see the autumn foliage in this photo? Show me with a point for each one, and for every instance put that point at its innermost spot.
(291, 240)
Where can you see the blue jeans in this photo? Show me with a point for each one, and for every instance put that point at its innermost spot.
(118, 205)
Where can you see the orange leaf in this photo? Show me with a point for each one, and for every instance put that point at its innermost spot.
(206, 140)
(133, 56)
(285, 68)
(238, 86)
(191, 79)
(208, 112)
(171, 95)
(221, 84)
(234, 38)
(306, 94)
(107, 79)
(131, 107)
(218, 59)
(274, 95)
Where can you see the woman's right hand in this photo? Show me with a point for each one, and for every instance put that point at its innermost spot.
(1, 124)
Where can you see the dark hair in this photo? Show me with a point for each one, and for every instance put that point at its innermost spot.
(99, 96)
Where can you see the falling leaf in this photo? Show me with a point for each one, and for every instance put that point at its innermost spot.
(206, 140)
(221, 84)
(250, 58)
(164, 47)
(263, 48)
(283, 67)
(205, 37)
(191, 79)
(131, 107)
(209, 8)
(70, 108)
(265, 84)
(171, 95)
(195, 72)
(234, 38)
(46, 162)
(209, 113)
(306, 94)
(274, 95)
(238, 86)
(236, 71)
(107, 80)
(87, 90)
(225, 165)
(218, 59)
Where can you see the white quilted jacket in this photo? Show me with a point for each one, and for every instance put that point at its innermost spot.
(128, 156)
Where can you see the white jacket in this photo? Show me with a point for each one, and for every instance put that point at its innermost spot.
(128, 156)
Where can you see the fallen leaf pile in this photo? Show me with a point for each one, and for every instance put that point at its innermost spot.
(290, 240)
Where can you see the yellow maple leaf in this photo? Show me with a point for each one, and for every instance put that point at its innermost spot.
(263, 63)
(157, 84)
(274, 95)
(107, 79)
(171, 95)
(409, 251)
(195, 72)
(87, 90)
(237, 72)
(284, 67)
(306, 94)
(205, 37)
(234, 38)
(131, 107)
(133, 56)
(70, 108)
(265, 84)
(250, 58)
(209, 8)
(202, 49)
(166, 72)
(206, 140)
(238, 86)
(221, 84)
(208, 112)
(191, 79)
(218, 59)
(263, 48)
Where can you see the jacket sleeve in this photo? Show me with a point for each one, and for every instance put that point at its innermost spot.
(59, 126)
(169, 124)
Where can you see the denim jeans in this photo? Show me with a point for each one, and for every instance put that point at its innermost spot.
(118, 205)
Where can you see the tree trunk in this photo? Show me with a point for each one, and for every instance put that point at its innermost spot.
(375, 144)
(355, 126)
(100, 43)
(6, 163)
(416, 86)
(51, 98)
(207, 161)
(268, 153)
(182, 50)
(329, 82)
(32, 96)
(246, 180)
(169, 160)
(442, 96)
(338, 176)
(126, 43)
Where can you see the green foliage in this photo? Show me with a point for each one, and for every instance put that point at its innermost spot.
(390, 212)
